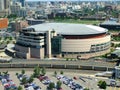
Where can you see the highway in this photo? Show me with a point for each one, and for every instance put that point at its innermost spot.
(96, 65)
(64, 62)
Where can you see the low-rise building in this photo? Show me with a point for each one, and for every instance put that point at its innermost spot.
(3, 23)
(117, 72)
(19, 25)
(30, 44)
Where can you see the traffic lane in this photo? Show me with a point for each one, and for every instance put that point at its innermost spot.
(80, 62)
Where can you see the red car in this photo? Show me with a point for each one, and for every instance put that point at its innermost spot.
(75, 78)
(41, 78)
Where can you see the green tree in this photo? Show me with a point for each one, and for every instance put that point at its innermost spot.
(51, 86)
(59, 83)
(102, 84)
(7, 42)
(31, 79)
(20, 88)
(61, 72)
(13, 42)
(23, 71)
(36, 72)
(86, 89)
(43, 71)
(10, 38)
(67, 59)
(5, 73)
(24, 80)
(16, 74)
(55, 73)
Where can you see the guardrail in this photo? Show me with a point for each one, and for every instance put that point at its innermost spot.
(57, 66)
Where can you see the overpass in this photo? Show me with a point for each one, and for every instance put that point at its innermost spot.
(60, 64)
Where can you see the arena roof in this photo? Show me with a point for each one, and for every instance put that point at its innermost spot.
(69, 29)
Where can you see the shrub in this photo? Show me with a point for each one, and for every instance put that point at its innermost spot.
(55, 73)
(23, 71)
(61, 72)
(59, 84)
(43, 71)
(102, 84)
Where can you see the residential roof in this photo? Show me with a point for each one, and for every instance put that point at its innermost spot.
(69, 29)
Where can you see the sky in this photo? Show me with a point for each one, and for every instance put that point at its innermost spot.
(71, 0)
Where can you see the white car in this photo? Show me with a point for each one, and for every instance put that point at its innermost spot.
(29, 88)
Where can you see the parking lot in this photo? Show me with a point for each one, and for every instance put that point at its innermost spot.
(85, 80)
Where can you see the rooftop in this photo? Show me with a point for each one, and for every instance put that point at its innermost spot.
(69, 29)
(110, 23)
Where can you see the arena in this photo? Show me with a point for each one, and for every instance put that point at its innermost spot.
(63, 40)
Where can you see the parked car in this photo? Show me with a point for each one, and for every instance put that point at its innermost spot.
(37, 88)
(41, 78)
(75, 78)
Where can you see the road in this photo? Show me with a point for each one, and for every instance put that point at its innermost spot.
(62, 62)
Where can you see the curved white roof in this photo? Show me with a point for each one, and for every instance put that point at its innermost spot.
(69, 29)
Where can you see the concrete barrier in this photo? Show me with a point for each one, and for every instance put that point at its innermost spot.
(58, 66)
(30, 65)
(72, 66)
(45, 65)
(22, 65)
(5, 65)
(86, 67)
(17, 65)
(96, 68)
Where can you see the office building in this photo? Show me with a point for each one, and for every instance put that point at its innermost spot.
(1, 5)
(18, 9)
(17, 26)
(117, 72)
(22, 2)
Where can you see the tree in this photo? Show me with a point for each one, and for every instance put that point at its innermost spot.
(20, 88)
(23, 71)
(31, 79)
(10, 38)
(55, 73)
(43, 71)
(5, 73)
(36, 72)
(51, 86)
(59, 83)
(24, 80)
(16, 74)
(12, 16)
(102, 84)
(8, 42)
(86, 89)
(61, 72)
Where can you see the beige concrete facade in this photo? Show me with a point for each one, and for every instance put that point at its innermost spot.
(82, 45)
(82, 48)
(19, 25)
(27, 52)
(48, 41)
(86, 55)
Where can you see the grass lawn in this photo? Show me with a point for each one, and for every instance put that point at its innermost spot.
(95, 22)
